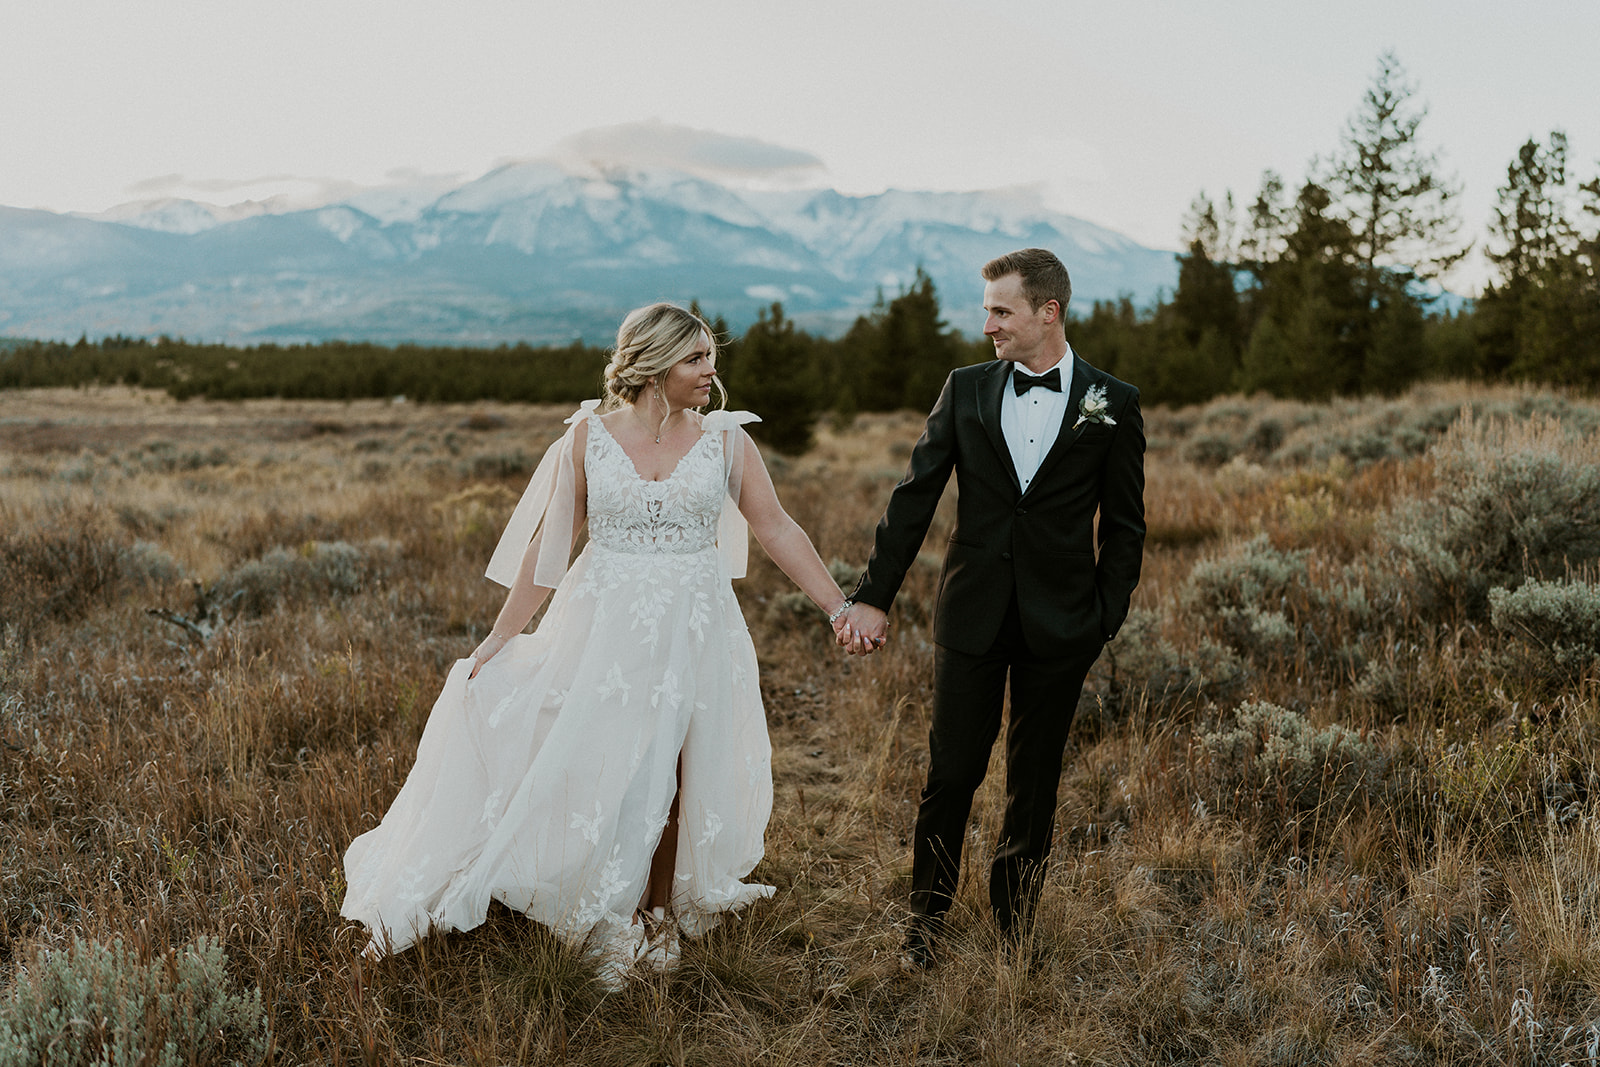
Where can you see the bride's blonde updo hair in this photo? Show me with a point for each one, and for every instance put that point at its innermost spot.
(650, 342)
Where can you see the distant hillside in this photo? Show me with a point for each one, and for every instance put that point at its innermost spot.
(532, 251)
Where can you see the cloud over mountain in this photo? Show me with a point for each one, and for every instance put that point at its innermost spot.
(703, 153)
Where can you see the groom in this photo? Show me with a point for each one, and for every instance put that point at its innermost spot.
(1040, 443)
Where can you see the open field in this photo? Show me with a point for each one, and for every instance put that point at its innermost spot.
(1331, 797)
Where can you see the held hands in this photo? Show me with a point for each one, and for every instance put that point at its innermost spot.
(862, 629)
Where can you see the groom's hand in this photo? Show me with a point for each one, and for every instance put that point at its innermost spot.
(862, 629)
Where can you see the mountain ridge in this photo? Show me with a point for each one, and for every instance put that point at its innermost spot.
(534, 250)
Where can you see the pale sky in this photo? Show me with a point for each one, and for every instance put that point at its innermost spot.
(1121, 112)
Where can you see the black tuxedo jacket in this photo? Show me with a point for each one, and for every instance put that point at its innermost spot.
(1040, 545)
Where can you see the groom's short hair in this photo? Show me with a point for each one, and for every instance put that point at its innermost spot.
(1044, 278)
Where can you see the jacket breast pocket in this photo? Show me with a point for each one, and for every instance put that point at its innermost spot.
(1095, 433)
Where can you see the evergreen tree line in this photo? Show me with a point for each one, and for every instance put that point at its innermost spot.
(1327, 291)
(1322, 293)
(334, 370)
(897, 356)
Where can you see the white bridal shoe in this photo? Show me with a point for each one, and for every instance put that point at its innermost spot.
(661, 948)
(617, 954)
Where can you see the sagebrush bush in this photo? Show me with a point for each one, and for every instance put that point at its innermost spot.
(1210, 449)
(1252, 575)
(1146, 667)
(1250, 594)
(317, 569)
(1559, 620)
(148, 564)
(163, 457)
(1510, 501)
(96, 1004)
(513, 464)
(1264, 752)
(1288, 433)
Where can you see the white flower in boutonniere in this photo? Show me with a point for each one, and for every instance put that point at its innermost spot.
(1093, 407)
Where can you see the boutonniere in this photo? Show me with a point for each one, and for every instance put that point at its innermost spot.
(1094, 407)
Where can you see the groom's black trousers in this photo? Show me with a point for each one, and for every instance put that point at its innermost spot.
(967, 700)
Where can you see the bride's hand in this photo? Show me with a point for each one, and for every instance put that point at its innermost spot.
(486, 651)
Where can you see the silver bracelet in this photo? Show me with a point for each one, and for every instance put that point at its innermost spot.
(846, 606)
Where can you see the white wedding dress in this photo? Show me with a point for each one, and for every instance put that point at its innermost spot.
(545, 782)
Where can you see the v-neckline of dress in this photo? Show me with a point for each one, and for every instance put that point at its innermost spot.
(634, 467)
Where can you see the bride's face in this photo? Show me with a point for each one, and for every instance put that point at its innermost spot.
(688, 383)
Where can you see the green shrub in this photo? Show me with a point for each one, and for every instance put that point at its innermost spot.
(1558, 621)
(1511, 501)
(1486, 784)
(95, 1004)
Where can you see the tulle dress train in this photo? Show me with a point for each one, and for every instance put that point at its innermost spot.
(546, 781)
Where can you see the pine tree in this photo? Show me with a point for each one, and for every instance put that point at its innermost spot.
(1532, 221)
(1396, 355)
(1390, 189)
(773, 378)
(1310, 301)
(900, 355)
(1263, 239)
(1201, 349)
(919, 344)
(1536, 319)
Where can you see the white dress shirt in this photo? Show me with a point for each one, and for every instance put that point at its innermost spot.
(1031, 422)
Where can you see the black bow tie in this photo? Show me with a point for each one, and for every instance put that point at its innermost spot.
(1050, 379)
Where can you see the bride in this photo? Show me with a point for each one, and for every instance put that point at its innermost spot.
(608, 774)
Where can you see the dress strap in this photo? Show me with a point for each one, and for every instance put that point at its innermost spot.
(733, 533)
(542, 521)
(587, 409)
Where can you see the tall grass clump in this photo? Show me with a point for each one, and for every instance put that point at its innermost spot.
(95, 1004)
(59, 572)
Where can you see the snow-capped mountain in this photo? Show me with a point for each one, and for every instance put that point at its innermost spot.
(536, 250)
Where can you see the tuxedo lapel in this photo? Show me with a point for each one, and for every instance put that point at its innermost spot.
(1083, 376)
(991, 389)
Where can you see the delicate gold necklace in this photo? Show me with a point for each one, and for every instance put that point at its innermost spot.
(659, 428)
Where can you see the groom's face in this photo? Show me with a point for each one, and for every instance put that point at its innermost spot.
(1018, 331)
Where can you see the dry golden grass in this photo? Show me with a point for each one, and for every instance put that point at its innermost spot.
(1198, 909)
